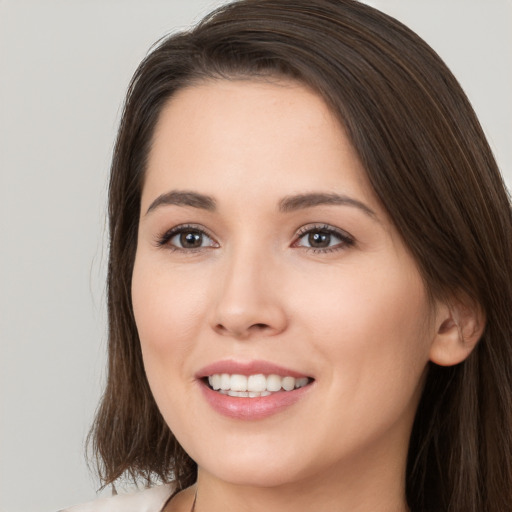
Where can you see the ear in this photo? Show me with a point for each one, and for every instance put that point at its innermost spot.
(459, 326)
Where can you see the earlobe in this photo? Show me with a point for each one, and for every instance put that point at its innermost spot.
(459, 328)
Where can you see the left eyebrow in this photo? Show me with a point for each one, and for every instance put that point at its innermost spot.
(301, 201)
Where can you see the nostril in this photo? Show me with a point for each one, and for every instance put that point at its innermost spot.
(241, 331)
(260, 326)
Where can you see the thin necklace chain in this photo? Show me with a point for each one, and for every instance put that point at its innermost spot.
(194, 502)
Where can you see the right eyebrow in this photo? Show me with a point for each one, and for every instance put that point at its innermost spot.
(184, 198)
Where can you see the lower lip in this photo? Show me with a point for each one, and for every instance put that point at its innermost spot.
(257, 408)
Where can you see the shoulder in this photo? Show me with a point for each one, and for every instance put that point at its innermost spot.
(148, 500)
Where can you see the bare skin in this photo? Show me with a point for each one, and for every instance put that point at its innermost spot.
(182, 502)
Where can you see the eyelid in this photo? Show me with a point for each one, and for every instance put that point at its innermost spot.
(347, 240)
(163, 239)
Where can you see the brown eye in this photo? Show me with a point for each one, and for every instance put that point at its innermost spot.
(190, 239)
(185, 238)
(319, 239)
(323, 239)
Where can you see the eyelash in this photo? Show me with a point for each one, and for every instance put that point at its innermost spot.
(163, 240)
(346, 239)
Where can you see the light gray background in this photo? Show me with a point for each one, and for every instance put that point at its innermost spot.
(64, 68)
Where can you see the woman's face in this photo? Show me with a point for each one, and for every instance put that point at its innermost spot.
(262, 250)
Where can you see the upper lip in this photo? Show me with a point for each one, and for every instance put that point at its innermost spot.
(247, 368)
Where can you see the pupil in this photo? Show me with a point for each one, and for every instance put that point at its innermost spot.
(319, 239)
(191, 240)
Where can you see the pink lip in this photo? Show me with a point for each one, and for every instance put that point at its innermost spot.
(250, 408)
(247, 368)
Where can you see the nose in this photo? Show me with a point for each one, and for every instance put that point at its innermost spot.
(249, 297)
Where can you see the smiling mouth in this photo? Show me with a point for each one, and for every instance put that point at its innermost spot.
(254, 386)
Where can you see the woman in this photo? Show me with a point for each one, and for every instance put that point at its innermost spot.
(309, 278)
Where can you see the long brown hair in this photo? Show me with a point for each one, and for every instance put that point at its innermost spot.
(431, 167)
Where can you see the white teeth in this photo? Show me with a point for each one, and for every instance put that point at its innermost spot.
(274, 383)
(288, 383)
(300, 383)
(254, 385)
(238, 393)
(238, 383)
(225, 382)
(257, 382)
(215, 381)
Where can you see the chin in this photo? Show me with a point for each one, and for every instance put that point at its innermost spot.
(246, 474)
(257, 468)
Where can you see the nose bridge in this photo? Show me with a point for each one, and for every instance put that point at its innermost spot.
(247, 299)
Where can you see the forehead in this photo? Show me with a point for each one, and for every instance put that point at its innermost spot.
(246, 137)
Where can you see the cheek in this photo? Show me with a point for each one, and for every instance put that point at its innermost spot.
(169, 311)
(363, 305)
(167, 304)
(372, 327)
